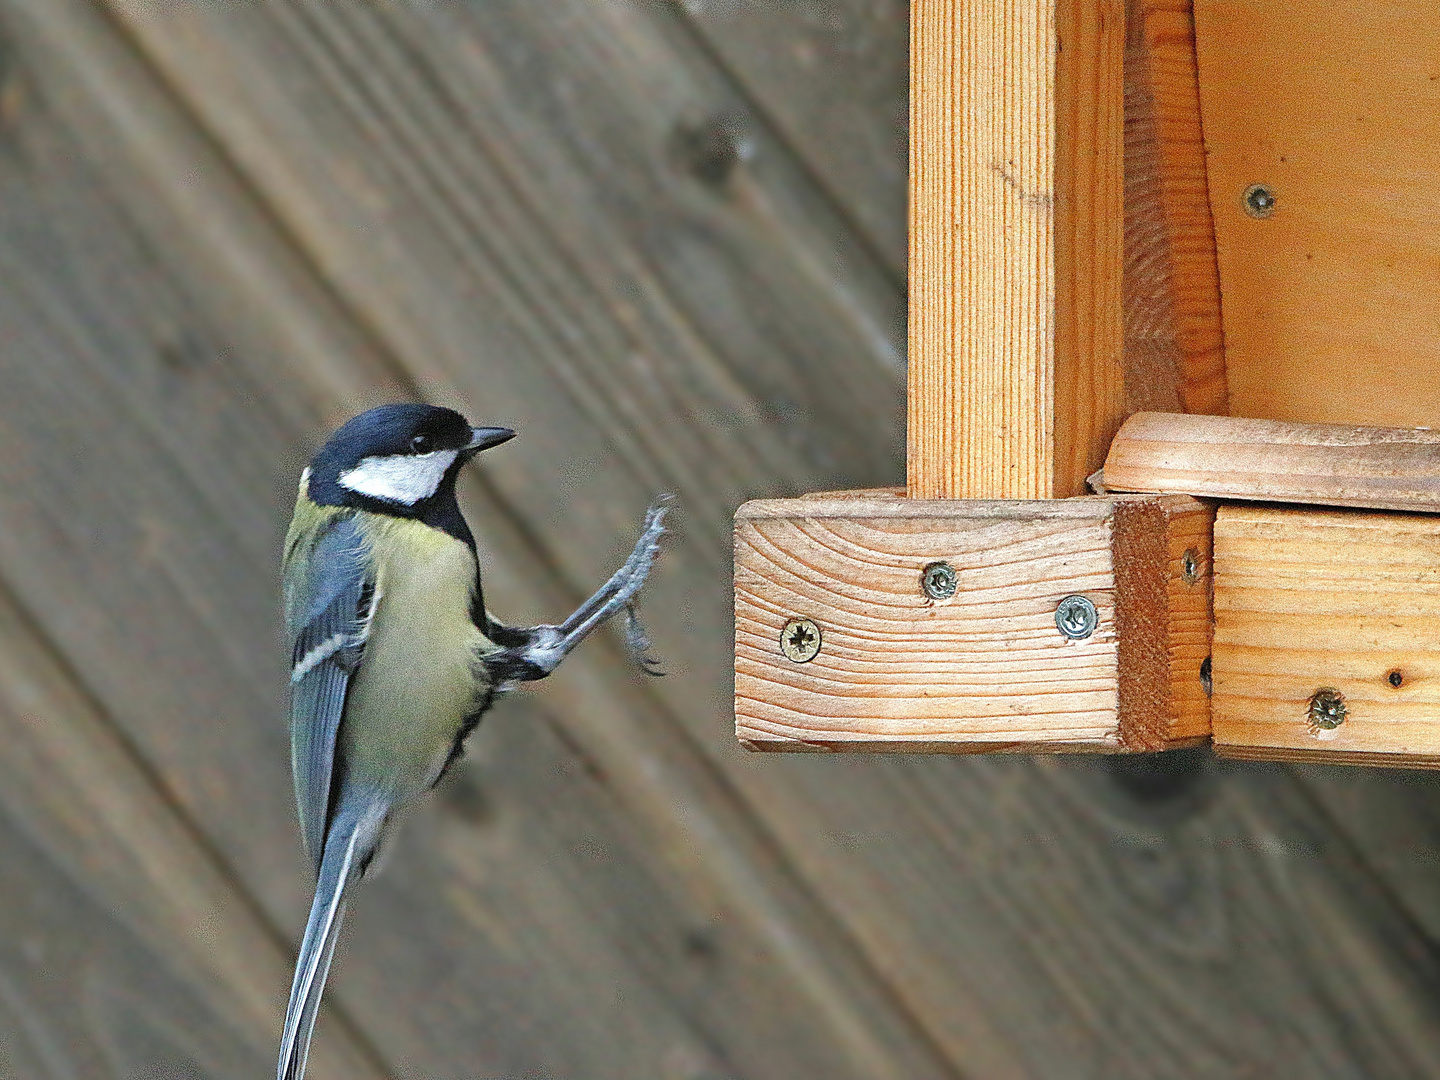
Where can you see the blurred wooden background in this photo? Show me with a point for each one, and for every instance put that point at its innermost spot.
(666, 242)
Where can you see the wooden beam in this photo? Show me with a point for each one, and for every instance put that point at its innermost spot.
(1174, 348)
(1325, 642)
(1016, 245)
(1272, 461)
(988, 669)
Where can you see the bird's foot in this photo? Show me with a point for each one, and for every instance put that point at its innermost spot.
(548, 645)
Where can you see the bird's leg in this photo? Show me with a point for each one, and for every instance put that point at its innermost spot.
(541, 648)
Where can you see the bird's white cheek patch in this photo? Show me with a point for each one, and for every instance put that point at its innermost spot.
(400, 478)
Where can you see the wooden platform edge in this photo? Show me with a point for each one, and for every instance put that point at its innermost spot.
(1277, 461)
(1163, 566)
(879, 666)
(1325, 647)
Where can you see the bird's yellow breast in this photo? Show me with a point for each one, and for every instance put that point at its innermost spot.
(420, 677)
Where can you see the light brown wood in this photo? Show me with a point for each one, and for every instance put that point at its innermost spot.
(609, 887)
(158, 322)
(1016, 245)
(1340, 600)
(1330, 306)
(987, 669)
(1174, 349)
(1274, 461)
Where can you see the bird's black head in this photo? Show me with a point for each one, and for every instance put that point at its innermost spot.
(399, 459)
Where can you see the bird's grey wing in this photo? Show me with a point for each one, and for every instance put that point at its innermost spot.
(328, 624)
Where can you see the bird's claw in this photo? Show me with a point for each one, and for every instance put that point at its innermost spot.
(638, 642)
(548, 645)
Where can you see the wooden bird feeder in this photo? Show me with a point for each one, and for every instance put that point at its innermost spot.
(1201, 249)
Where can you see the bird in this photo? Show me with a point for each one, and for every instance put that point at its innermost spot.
(394, 656)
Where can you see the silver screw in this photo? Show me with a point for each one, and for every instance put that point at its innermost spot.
(1190, 566)
(939, 581)
(1258, 200)
(800, 641)
(1327, 708)
(1076, 618)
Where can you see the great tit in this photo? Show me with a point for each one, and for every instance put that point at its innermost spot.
(394, 656)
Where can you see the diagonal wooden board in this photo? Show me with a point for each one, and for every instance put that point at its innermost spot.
(68, 780)
(1174, 933)
(207, 366)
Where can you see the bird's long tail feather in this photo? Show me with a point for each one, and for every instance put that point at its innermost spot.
(338, 868)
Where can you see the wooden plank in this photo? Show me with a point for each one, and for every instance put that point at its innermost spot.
(478, 195)
(1174, 349)
(1324, 635)
(616, 889)
(1329, 306)
(68, 779)
(1215, 926)
(1275, 461)
(80, 995)
(986, 668)
(833, 78)
(154, 310)
(1016, 232)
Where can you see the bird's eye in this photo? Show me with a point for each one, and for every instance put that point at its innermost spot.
(420, 444)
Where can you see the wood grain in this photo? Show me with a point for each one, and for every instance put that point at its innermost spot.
(1327, 599)
(799, 62)
(1275, 461)
(1016, 237)
(611, 887)
(68, 778)
(1174, 348)
(1329, 304)
(210, 356)
(986, 669)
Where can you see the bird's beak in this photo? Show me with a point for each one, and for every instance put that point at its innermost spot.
(483, 438)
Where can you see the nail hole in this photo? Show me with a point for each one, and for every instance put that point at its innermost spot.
(938, 581)
(1190, 566)
(1397, 678)
(1207, 682)
(1258, 200)
(1327, 708)
(800, 641)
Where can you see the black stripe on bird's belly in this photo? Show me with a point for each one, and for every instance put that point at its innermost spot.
(470, 723)
(509, 666)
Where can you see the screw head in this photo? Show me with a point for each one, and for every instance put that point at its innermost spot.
(1076, 618)
(939, 581)
(800, 641)
(1190, 566)
(1327, 708)
(1258, 200)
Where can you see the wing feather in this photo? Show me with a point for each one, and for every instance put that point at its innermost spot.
(331, 597)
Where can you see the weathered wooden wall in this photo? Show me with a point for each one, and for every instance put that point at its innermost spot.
(665, 241)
